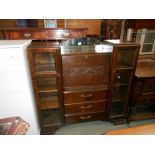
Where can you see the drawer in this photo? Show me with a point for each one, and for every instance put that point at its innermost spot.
(11, 60)
(85, 107)
(27, 34)
(85, 117)
(76, 97)
(65, 34)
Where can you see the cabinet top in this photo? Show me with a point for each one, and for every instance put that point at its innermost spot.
(14, 43)
(119, 42)
(84, 45)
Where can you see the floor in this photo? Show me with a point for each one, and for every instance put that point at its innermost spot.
(97, 127)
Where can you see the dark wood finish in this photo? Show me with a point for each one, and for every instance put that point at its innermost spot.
(90, 69)
(77, 86)
(111, 29)
(47, 86)
(44, 33)
(76, 118)
(85, 107)
(124, 61)
(143, 96)
(86, 85)
(93, 25)
(84, 96)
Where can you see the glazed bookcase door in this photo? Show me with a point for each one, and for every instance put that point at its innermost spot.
(123, 67)
(45, 71)
(48, 95)
(45, 62)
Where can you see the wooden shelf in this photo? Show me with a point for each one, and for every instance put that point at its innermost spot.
(45, 73)
(47, 88)
(123, 66)
(49, 105)
(49, 102)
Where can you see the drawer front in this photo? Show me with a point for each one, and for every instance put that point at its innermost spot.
(85, 107)
(76, 97)
(86, 69)
(65, 34)
(85, 117)
(26, 35)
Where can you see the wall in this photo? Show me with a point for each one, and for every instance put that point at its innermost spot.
(93, 25)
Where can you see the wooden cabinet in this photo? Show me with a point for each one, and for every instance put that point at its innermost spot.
(85, 81)
(45, 66)
(124, 60)
(143, 95)
(44, 33)
(77, 80)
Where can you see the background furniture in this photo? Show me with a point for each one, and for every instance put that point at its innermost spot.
(13, 126)
(143, 94)
(141, 31)
(16, 94)
(146, 38)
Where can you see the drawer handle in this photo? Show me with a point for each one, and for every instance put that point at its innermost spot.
(66, 34)
(86, 107)
(87, 95)
(86, 117)
(27, 35)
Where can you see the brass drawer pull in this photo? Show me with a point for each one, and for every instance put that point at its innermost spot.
(86, 107)
(66, 34)
(27, 35)
(86, 117)
(87, 95)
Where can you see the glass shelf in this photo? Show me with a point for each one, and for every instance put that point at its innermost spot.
(47, 84)
(48, 100)
(44, 62)
(51, 117)
(125, 58)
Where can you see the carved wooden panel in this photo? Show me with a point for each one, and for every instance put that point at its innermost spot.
(88, 69)
(95, 70)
